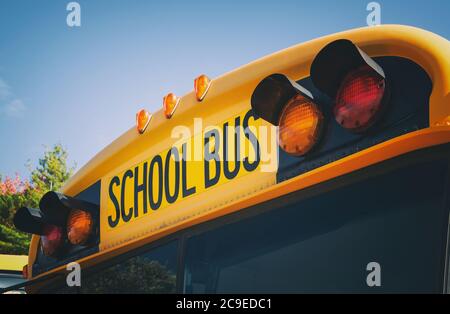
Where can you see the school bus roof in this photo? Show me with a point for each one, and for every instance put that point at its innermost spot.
(427, 49)
(12, 262)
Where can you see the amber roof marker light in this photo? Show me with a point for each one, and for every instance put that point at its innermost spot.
(354, 81)
(170, 104)
(143, 118)
(201, 86)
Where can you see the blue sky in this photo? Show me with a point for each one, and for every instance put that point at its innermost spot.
(82, 86)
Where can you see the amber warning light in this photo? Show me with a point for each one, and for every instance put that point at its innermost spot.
(285, 103)
(201, 86)
(62, 222)
(300, 126)
(143, 118)
(79, 226)
(170, 104)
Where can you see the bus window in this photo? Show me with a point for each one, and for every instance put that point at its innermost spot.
(150, 272)
(325, 243)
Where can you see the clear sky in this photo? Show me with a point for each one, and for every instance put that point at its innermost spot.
(82, 86)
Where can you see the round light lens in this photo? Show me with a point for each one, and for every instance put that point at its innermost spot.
(359, 99)
(300, 126)
(52, 239)
(79, 226)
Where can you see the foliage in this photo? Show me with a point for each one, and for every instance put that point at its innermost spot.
(52, 171)
(50, 174)
(13, 242)
(15, 193)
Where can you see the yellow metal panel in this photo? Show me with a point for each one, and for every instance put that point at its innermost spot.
(125, 219)
(12, 262)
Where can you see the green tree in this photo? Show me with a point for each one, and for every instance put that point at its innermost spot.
(50, 174)
(52, 170)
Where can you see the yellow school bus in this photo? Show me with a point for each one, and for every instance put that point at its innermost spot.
(323, 167)
(11, 267)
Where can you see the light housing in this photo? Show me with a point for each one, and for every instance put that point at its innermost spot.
(354, 81)
(170, 104)
(143, 118)
(201, 86)
(285, 103)
(77, 218)
(56, 207)
(300, 126)
(60, 220)
(29, 220)
(272, 94)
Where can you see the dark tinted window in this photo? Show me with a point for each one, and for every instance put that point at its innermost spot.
(150, 272)
(324, 243)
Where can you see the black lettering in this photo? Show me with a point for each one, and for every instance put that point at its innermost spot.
(113, 222)
(185, 190)
(171, 198)
(237, 146)
(211, 156)
(250, 166)
(138, 188)
(125, 216)
(157, 160)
